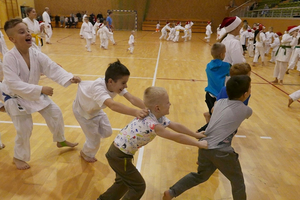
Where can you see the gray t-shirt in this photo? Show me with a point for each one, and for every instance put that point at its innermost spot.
(225, 120)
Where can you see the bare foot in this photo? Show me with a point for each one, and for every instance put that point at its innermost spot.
(263, 64)
(66, 144)
(2, 146)
(22, 165)
(48, 43)
(87, 158)
(290, 102)
(206, 116)
(167, 195)
(287, 72)
(281, 82)
(275, 81)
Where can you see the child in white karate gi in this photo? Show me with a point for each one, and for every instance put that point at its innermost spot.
(250, 46)
(275, 45)
(294, 57)
(93, 96)
(22, 67)
(87, 32)
(164, 31)
(104, 35)
(208, 32)
(131, 42)
(178, 27)
(284, 52)
(269, 36)
(157, 27)
(260, 46)
(3, 50)
(2, 109)
(96, 28)
(172, 33)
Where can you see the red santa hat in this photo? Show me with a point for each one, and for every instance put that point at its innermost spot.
(292, 28)
(167, 22)
(187, 22)
(230, 23)
(278, 34)
(178, 23)
(209, 22)
(250, 31)
(261, 27)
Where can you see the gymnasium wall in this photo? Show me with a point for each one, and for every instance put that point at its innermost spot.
(3, 12)
(66, 7)
(278, 24)
(172, 9)
(213, 10)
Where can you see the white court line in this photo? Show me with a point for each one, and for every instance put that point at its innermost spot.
(102, 76)
(265, 137)
(42, 124)
(141, 150)
(240, 136)
(92, 56)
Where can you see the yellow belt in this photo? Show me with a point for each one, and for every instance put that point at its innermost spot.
(37, 37)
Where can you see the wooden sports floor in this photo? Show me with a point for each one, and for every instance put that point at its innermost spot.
(268, 142)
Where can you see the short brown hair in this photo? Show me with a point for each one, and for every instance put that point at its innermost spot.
(28, 10)
(217, 49)
(11, 24)
(240, 69)
(238, 85)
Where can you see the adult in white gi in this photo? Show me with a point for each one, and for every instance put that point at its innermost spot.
(23, 96)
(87, 32)
(34, 27)
(234, 50)
(48, 26)
(178, 27)
(208, 32)
(164, 31)
(284, 53)
(275, 45)
(103, 33)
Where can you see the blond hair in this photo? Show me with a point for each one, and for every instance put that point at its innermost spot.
(152, 96)
(217, 49)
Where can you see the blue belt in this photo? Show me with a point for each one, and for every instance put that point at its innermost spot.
(6, 97)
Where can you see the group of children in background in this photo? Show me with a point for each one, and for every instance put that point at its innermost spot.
(226, 101)
(103, 29)
(174, 31)
(258, 42)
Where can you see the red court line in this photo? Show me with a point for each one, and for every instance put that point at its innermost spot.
(193, 80)
(271, 83)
